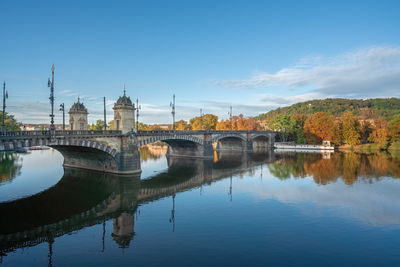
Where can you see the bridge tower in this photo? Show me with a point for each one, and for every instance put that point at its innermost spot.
(78, 116)
(124, 114)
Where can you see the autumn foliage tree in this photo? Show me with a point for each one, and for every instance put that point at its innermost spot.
(238, 123)
(320, 126)
(206, 122)
(351, 131)
(223, 125)
(182, 125)
(379, 132)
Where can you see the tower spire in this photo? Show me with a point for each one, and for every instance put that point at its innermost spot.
(124, 90)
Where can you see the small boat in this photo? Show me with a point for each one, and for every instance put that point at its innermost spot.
(326, 145)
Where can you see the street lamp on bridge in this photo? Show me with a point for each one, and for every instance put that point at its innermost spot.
(5, 96)
(62, 108)
(50, 84)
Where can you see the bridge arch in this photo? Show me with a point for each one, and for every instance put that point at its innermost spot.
(87, 154)
(178, 145)
(230, 141)
(170, 139)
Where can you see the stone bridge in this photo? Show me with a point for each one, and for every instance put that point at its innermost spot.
(115, 152)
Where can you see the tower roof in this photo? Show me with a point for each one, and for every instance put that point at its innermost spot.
(124, 101)
(78, 107)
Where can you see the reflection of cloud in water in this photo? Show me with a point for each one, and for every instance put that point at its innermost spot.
(375, 204)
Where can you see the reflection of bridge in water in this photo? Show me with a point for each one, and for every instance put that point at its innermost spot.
(83, 198)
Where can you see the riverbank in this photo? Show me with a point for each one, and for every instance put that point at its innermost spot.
(371, 148)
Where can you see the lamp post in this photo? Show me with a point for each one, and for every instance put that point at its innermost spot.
(105, 119)
(172, 105)
(63, 111)
(50, 84)
(5, 96)
(137, 114)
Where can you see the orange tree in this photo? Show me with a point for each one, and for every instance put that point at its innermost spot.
(320, 126)
(379, 132)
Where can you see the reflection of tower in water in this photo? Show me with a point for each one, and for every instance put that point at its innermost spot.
(123, 229)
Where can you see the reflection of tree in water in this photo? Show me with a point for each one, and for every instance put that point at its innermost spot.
(10, 166)
(350, 167)
(152, 152)
(292, 165)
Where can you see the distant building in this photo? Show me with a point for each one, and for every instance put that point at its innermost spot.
(263, 125)
(78, 116)
(165, 126)
(124, 114)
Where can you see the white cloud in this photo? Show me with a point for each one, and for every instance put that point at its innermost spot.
(362, 201)
(365, 73)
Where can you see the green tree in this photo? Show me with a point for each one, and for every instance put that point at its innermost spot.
(283, 124)
(351, 132)
(142, 126)
(394, 129)
(9, 121)
(98, 126)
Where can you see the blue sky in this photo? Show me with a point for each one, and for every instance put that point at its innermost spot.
(253, 55)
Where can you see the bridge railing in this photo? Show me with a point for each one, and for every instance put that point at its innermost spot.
(15, 134)
(178, 132)
(89, 132)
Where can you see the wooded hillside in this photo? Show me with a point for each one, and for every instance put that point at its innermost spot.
(364, 109)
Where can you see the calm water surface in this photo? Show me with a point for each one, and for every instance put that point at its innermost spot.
(278, 209)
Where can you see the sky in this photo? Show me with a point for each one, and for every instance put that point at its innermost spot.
(252, 55)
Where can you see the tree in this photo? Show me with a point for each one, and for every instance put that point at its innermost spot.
(9, 121)
(98, 126)
(379, 132)
(142, 126)
(241, 123)
(351, 132)
(284, 124)
(298, 121)
(207, 122)
(154, 127)
(366, 130)
(319, 126)
(182, 125)
(111, 125)
(223, 125)
(394, 129)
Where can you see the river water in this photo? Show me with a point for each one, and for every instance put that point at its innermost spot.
(270, 208)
